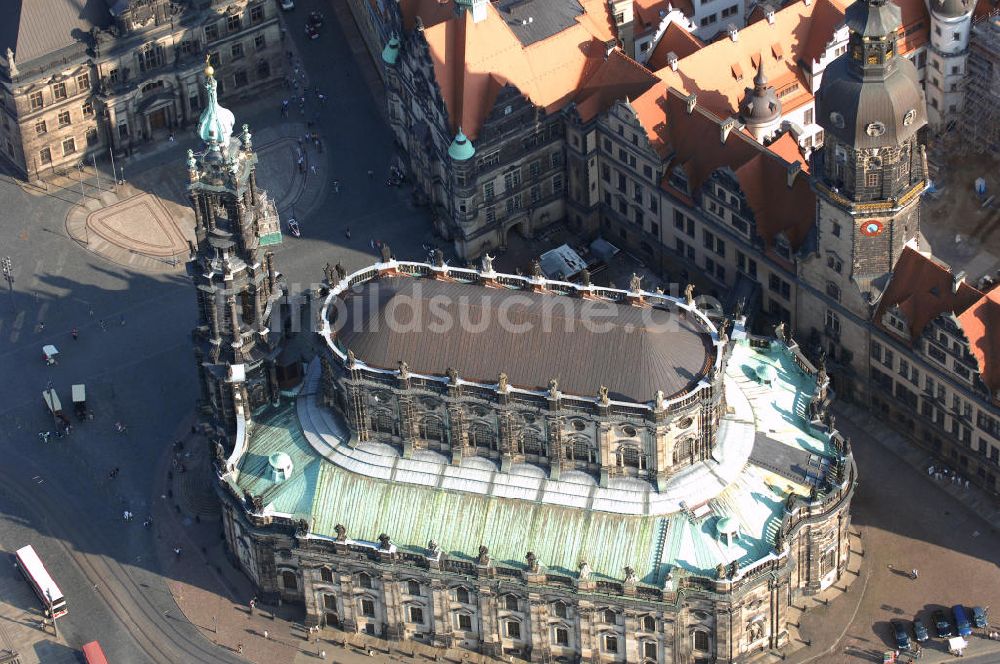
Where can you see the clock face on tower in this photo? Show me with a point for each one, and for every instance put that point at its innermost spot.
(871, 227)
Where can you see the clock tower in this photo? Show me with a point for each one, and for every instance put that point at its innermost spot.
(868, 178)
(872, 168)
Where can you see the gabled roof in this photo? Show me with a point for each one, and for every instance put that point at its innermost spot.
(677, 40)
(472, 61)
(618, 77)
(36, 28)
(976, 322)
(693, 142)
(922, 288)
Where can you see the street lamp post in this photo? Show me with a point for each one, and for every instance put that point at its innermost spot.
(8, 274)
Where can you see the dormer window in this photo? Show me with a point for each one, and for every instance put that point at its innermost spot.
(678, 179)
(781, 247)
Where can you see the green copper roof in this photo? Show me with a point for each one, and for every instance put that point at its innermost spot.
(327, 494)
(216, 122)
(270, 238)
(390, 54)
(461, 148)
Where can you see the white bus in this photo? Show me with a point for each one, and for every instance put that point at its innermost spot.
(34, 571)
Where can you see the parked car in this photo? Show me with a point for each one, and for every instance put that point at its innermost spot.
(920, 630)
(962, 623)
(901, 634)
(979, 618)
(941, 624)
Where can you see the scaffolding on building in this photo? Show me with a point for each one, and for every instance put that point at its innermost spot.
(981, 114)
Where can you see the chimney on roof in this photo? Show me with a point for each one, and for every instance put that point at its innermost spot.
(794, 169)
(692, 101)
(768, 10)
(609, 46)
(807, 2)
(733, 32)
(672, 61)
(957, 280)
(727, 126)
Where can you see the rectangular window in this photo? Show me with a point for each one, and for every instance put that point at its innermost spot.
(621, 182)
(35, 99)
(240, 78)
(605, 172)
(491, 215)
(368, 608)
(611, 643)
(488, 191)
(87, 108)
(59, 91)
(416, 615)
(69, 146)
(562, 636)
(513, 629)
(465, 622)
(512, 179)
(678, 220)
(690, 227)
(260, 42)
(513, 204)
(556, 159)
(233, 22)
(83, 83)
(64, 119)
(708, 240)
(808, 118)
(123, 131)
(212, 32)
(236, 50)
(535, 169)
(45, 156)
(720, 247)
(257, 13)
(557, 183)
(536, 194)
(654, 205)
(40, 127)
(637, 195)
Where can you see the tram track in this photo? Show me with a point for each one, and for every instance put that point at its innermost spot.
(161, 639)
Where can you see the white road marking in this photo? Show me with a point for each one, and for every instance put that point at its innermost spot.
(15, 329)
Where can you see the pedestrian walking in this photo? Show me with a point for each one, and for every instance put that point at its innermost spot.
(914, 573)
(371, 173)
(239, 648)
(104, 325)
(75, 332)
(312, 169)
(177, 551)
(322, 654)
(347, 233)
(123, 320)
(41, 327)
(266, 637)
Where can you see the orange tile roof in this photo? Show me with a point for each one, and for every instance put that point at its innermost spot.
(675, 39)
(922, 289)
(618, 77)
(721, 71)
(788, 149)
(976, 322)
(916, 22)
(693, 141)
(472, 61)
(648, 12)
(825, 19)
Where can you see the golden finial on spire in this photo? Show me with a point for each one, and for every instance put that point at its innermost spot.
(209, 69)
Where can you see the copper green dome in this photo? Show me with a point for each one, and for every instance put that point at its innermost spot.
(461, 148)
(390, 54)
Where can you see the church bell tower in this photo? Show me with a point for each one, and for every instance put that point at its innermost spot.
(238, 286)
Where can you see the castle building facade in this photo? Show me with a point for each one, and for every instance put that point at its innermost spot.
(121, 73)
